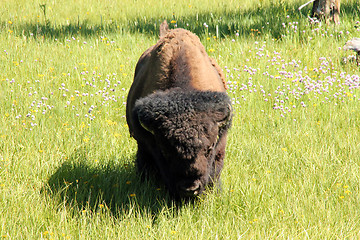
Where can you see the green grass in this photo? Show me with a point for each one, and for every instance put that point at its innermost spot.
(67, 160)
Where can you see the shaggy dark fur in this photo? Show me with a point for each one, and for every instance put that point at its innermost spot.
(178, 112)
(187, 131)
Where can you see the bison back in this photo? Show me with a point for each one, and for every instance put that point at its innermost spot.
(177, 60)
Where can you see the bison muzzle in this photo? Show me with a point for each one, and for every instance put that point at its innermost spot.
(179, 113)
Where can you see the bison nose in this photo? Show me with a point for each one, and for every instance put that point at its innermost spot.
(189, 189)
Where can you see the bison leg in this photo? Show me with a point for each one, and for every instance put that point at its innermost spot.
(144, 162)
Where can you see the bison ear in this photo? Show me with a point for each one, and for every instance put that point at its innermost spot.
(223, 115)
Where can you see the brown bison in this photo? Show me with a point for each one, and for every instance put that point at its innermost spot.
(179, 113)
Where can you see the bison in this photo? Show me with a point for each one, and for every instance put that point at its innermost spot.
(179, 113)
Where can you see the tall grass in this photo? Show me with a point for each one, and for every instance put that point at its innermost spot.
(67, 160)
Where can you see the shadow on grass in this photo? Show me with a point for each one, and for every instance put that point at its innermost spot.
(50, 31)
(248, 23)
(114, 186)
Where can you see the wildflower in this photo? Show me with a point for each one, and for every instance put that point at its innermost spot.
(132, 195)
(173, 21)
(101, 205)
(109, 122)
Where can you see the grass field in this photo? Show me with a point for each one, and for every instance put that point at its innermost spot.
(67, 160)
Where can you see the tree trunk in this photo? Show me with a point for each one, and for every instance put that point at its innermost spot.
(327, 10)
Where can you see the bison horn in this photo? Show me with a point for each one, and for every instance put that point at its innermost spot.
(145, 127)
(225, 120)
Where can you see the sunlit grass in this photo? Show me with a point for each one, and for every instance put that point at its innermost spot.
(67, 160)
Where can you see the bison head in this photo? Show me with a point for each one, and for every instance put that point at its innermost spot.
(188, 134)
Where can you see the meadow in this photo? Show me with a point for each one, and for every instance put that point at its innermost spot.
(66, 158)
